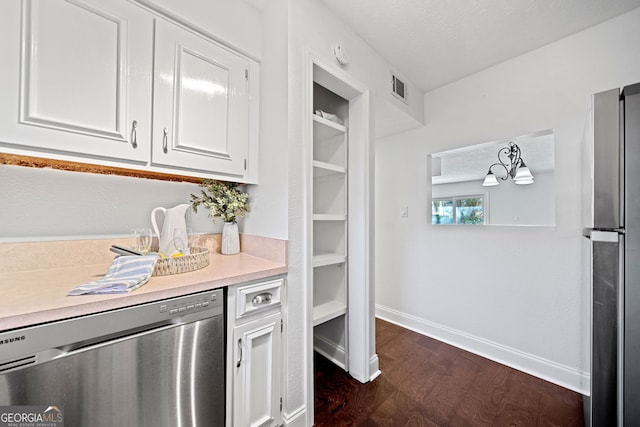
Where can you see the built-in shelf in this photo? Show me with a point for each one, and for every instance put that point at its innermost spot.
(321, 169)
(325, 129)
(329, 217)
(328, 311)
(321, 259)
(329, 228)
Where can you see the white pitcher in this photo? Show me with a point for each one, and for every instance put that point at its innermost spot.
(173, 238)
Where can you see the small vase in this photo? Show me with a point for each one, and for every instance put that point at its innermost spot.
(230, 239)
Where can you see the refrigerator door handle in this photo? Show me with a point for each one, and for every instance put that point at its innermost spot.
(602, 236)
(605, 236)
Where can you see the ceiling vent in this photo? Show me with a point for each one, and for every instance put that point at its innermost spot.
(399, 88)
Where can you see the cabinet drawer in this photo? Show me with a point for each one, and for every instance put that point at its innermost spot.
(258, 297)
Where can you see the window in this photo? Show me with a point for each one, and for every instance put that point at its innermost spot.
(458, 210)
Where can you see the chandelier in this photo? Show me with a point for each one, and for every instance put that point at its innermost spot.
(510, 159)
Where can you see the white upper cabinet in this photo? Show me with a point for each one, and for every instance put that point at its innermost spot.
(83, 81)
(76, 79)
(201, 104)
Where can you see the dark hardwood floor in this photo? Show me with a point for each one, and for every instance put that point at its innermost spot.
(425, 382)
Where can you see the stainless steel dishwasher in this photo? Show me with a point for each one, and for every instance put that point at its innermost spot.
(156, 364)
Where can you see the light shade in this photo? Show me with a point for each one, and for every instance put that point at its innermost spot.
(489, 180)
(523, 173)
(524, 181)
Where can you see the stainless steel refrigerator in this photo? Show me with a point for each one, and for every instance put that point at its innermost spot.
(612, 226)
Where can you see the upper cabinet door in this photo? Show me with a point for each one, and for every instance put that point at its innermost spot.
(84, 73)
(201, 104)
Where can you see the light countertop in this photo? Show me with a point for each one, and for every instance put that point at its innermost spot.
(40, 295)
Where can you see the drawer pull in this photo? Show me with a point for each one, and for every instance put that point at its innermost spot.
(263, 298)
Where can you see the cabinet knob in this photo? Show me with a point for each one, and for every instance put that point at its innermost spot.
(134, 134)
(165, 137)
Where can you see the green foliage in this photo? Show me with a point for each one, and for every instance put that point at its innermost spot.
(468, 202)
(473, 217)
(222, 199)
(470, 211)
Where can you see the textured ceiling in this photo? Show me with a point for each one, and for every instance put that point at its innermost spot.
(435, 42)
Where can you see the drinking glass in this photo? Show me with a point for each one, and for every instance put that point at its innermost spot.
(142, 239)
(181, 241)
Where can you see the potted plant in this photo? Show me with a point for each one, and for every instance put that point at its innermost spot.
(223, 200)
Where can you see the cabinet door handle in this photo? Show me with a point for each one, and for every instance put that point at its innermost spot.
(134, 134)
(239, 353)
(263, 298)
(165, 137)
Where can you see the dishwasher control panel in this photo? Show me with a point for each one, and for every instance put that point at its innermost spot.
(191, 303)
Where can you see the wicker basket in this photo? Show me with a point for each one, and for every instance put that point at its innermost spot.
(198, 259)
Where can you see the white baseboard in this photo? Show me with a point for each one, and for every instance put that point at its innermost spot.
(548, 370)
(374, 367)
(297, 418)
(330, 350)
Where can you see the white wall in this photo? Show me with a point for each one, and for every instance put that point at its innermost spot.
(44, 204)
(514, 294)
(269, 199)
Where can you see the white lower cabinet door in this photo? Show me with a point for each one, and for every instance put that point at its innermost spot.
(76, 79)
(257, 371)
(201, 104)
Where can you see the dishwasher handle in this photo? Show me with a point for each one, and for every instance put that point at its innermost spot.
(31, 359)
(71, 349)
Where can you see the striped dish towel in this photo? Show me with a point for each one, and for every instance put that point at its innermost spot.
(126, 273)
